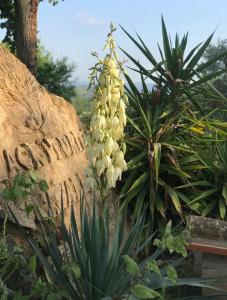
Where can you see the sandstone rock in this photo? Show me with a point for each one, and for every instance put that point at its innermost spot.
(39, 131)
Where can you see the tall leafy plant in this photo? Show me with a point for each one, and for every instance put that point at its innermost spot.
(168, 128)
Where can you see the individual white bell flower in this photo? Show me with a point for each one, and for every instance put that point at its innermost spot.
(122, 118)
(118, 132)
(90, 183)
(118, 172)
(114, 122)
(123, 148)
(92, 160)
(101, 122)
(116, 148)
(97, 149)
(100, 167)
(98, 135)
(109, 145)
(104, 97)
(109, 97)
(106, 160)
(110, 176)
(122, 107)
(120, 161)
(119, 158)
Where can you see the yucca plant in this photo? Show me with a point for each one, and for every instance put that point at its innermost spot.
(90, 265)
(95, 263)
(168, 127)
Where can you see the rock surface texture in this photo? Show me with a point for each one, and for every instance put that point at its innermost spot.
(38, 131)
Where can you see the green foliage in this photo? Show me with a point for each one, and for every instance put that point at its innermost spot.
(22, 186)
(211, 52)
(14, 271)
(93, 267)
(83, 103)
(216, 177)
(55, 75)
(143, 292)
(94, 263)
(8, 22)
(174, 243)
(97, 264)
(132, 266)
(169, 132)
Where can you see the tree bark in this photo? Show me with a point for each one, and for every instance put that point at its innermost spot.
(26, 32)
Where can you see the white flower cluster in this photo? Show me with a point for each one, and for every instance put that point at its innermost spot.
(105, 149)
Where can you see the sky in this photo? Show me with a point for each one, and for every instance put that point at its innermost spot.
(75, 28)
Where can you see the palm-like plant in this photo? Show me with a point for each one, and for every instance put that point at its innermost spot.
(167, 128)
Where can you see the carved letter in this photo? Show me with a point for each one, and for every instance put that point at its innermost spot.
(24, 157)
(11, 166)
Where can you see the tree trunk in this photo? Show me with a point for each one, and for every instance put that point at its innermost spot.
(26, 32)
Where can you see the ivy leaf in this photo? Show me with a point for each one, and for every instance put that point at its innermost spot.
(179, 246)
(43, 186)
(172, 273)
(132, 266)
(8, 194)
(153, 267)
(18, 179)
(27, 182)
(143, 292)
(19, 192)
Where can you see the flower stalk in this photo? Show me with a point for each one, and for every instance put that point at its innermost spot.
(104, 146)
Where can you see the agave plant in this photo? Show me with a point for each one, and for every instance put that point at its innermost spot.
(167, 129)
